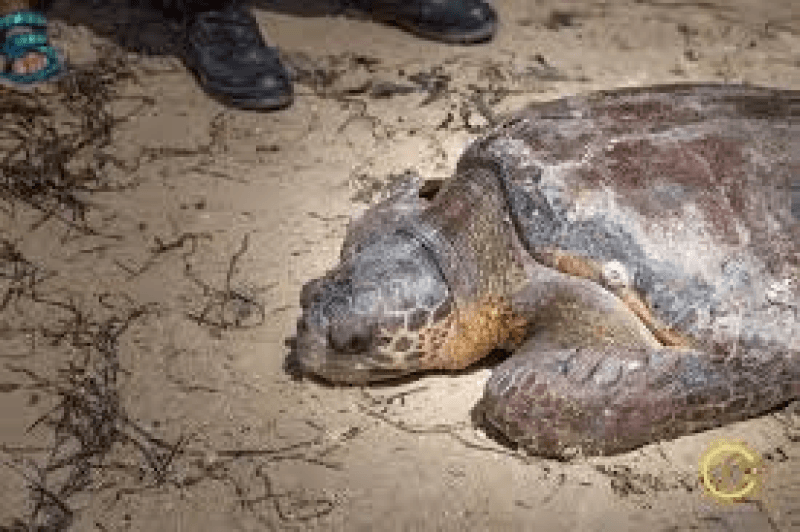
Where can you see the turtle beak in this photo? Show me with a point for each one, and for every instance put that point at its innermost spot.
(338, 352)
(308, 348)
(323, 347)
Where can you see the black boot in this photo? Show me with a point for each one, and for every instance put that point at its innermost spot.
(450, 21)
(232, 62)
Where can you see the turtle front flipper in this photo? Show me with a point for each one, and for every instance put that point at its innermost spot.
(616, 278)
(563, 403)
(592, 378)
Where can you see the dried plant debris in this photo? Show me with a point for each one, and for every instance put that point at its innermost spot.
(561, 19)
(56, 151)
(464, 433)
(624, 481)
(334, 76)
(435, 82)
(229, 307)
(52, 140)
(89, 419)
(347, 75)
(18, 276)
(186, 242)
(90, 425)
(472, 89)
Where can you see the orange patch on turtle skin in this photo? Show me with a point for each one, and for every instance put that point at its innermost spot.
(473, 332)
(432, 338)
(590, 269)
(667, 336)
(570, 264)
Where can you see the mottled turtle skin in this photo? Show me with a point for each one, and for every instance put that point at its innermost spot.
(637, 250)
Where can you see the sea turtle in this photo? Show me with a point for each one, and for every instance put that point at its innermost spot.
(638, 251)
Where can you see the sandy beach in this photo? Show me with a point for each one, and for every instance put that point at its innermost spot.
(152, 310)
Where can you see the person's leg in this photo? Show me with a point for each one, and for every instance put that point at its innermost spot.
(451, 21)
(32, 61)
(228, 54)
(226, 51)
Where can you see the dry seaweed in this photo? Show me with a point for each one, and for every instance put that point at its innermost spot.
(46, 134)
(56, 144)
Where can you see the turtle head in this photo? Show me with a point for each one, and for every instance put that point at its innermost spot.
(378, 315)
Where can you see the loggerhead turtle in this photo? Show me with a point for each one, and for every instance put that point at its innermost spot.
(637, 250)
